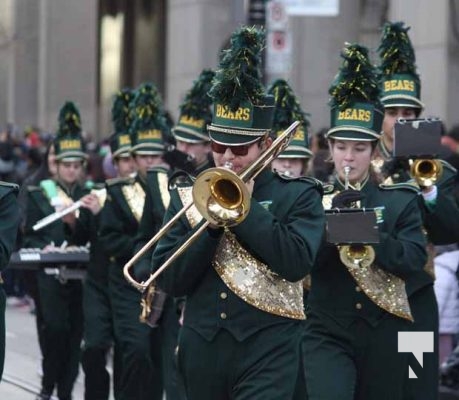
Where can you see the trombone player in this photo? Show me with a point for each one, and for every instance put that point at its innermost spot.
(240, 336)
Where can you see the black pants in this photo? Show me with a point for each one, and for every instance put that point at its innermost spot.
(424, 308)
(262, 367)
(98, 339)
(62, 334)
(355, 362)
(139, 345)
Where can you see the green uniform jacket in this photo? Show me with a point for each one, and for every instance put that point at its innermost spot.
(438, 220)
(283, 229)
(38, 207)
(401, 251)
(9, 215)
(118, 226)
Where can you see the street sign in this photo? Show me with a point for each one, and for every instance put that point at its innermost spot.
(323, 8)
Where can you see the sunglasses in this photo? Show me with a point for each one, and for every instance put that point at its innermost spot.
(240, 150)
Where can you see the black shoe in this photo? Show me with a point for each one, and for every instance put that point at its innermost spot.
(43, 396)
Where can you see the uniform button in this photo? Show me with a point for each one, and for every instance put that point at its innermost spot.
(223, 295)
(357, 289)
(358, 306)
(223, 315)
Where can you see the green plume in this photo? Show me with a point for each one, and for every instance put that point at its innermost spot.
(357, 79)
(121, 116)
(238, 77)
(288, 108)
(69, 120)
(396, 51)
(147, 109)
(197, 101)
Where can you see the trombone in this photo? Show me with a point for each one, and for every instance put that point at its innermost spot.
(222, 198)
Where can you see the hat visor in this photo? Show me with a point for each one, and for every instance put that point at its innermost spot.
(352, 133)
(189, 136)
(234, 136)
(296, 152)
(72, 156)
(402, 101)
(148, 149)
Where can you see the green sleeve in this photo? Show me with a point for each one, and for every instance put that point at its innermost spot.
(403, 251)
(113, 234)
(9, 215)
(185, 273)
(288, 248)
(441, 220)
(147, 228)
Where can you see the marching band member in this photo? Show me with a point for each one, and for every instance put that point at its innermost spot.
(61, 301)
(192, 139)
(97, 307)
(357, 308)
(240, 336)
(401, 90)
(9, 214)
(293, 161)
(138, 345)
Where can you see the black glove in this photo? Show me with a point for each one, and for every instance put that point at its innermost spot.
(345, 198)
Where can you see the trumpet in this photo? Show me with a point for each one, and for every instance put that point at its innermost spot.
(426, 171)
(355, 255)
(222, 198)
(62, 213)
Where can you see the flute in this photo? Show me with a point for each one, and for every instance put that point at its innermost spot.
(62, 213)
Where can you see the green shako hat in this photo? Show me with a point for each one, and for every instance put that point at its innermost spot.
(120, 140)
(195, 111)
(400, 83)
(68, 143)
(243, 112)
(287, 111)
(148, 126)
(356, 110)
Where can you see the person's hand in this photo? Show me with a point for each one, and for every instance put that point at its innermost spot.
(346, 198)
(69, 218)
(91, 202)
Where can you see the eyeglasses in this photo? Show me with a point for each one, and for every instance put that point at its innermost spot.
(240, 150)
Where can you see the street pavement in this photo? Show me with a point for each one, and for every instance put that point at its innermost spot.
(21, 379)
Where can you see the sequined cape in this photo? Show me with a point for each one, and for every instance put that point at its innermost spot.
(283, 229)
(401, 252)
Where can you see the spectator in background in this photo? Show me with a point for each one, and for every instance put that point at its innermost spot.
(447, 293)
(322, 168)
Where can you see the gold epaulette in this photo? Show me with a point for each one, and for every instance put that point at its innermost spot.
(119, 180)
(412, 186)
(9, 185)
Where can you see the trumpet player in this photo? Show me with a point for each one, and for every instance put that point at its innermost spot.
(357, 306)
(401, 97)
(240, 336)
(137, 344)
(61, 302)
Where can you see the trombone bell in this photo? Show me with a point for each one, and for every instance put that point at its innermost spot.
(221, 197)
